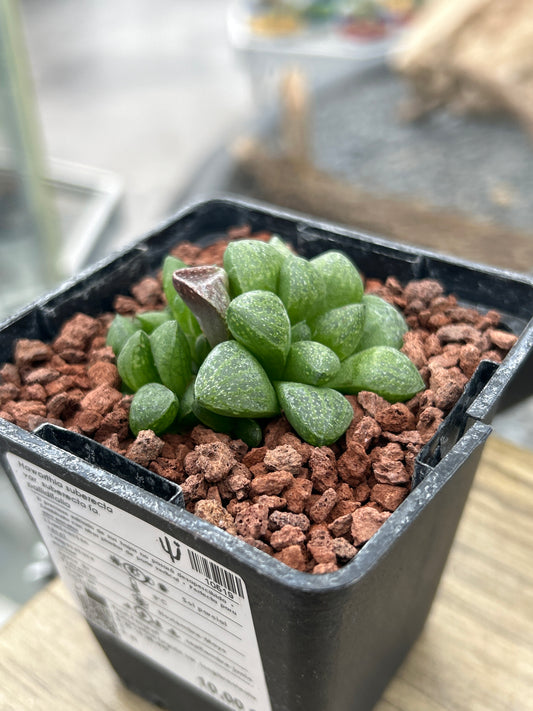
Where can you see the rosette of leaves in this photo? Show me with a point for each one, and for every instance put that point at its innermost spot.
(269, 332)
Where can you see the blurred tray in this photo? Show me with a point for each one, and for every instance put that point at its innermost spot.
(87, 202)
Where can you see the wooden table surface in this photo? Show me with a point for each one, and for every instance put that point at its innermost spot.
(475, 653)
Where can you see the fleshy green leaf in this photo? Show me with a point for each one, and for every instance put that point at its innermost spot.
(232, 382)
(179, 310)
(310, 362)
(120, 330)
(172, 356)
(252, 265)
(189, 325)
(205, 291)
(216, 422)
(201, 349)
(249, 431)
(340, 329)
(186, 416)
(258, 320)
(319, 415)
(237, 427)
(170, 265)
(301, 288)
(154, 407)
(342, 281)
(150, 320)
(300, 332)
(382, 370)
(135, 362)
(282, 247)
(384, 324)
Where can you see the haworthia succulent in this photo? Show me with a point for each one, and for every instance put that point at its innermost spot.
(251, 265)
(304, 326)
(382, 370)
(384, 324)
(310, 362)
(154, 407)
(341, 279)
(232, 382)
(135, 362)
(340, 329)
(301, 288)
(172, 356)
(319, 415)
(258, 320)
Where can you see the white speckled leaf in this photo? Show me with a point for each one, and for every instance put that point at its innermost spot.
(300, 332)
(384, 324)
(281, 246)
(232, 382)
(250, 265)
(310, 362)
(319, 415)
(154, 407)
(382, 370)
(301, 288)
(340, 329)
(342, 281)
(258, 320)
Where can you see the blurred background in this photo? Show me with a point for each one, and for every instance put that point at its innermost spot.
(408, 119)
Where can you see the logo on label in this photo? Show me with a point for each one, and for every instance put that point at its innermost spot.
(171, 547)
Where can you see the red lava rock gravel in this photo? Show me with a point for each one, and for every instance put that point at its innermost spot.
(312, 508)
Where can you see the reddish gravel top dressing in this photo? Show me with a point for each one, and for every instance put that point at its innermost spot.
(312, 508)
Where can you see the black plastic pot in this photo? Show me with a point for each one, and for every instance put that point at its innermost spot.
(191, 617)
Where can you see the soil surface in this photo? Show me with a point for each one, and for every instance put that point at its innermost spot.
(312, 508)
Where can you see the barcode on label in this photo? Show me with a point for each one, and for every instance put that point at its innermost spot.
(216, 573)
(97, 611)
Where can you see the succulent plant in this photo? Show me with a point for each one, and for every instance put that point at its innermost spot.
(270, 332)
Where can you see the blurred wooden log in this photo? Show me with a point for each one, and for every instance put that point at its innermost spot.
(471, 55)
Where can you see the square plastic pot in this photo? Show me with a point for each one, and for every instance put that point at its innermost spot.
(196, 620)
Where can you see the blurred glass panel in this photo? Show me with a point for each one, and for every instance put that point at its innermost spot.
(51, 214)
(29, 229)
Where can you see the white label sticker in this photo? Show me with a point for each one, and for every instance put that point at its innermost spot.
(164, 599)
